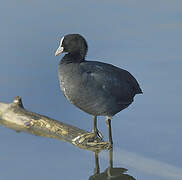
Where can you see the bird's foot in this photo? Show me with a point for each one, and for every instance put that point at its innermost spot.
(98, 134)
(110, 145)
(94, 136)
(91, 137)
(92, 142)
(88, 138)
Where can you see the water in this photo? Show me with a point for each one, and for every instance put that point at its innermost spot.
(140, 36)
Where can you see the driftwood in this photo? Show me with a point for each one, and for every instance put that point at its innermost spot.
(15, 116)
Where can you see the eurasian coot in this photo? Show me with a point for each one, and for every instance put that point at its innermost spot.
(97, 88)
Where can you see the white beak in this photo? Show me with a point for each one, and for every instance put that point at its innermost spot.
(59, 51)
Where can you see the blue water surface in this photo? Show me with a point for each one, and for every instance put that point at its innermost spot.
(141, 36)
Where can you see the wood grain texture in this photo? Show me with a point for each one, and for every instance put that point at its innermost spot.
(15, 116)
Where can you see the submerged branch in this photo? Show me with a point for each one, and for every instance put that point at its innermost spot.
(15, 116)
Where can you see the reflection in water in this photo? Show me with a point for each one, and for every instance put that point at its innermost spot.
(146, 164)
(110, 172)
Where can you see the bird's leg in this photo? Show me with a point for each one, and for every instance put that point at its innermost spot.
(95, 130)
(108, 122)
(95, 125)
(97, 168)
(95, 136)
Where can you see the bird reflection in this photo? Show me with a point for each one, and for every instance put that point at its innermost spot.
(111, 173)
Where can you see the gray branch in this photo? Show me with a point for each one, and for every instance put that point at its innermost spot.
(15, 116)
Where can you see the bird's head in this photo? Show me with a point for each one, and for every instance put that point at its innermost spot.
(73, 44)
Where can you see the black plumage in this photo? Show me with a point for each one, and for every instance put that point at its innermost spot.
(97, 88)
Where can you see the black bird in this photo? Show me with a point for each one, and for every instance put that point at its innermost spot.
(97, 88)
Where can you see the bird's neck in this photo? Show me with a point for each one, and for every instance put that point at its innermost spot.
(72, 58)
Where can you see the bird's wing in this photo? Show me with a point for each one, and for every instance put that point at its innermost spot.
(114, 82)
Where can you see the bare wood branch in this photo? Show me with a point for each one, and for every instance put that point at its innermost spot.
(15, 116)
